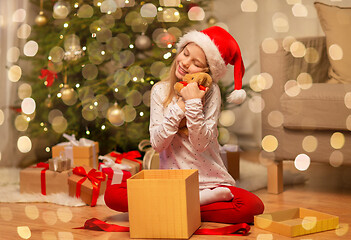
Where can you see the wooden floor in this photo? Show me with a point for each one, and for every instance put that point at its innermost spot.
(328, 190)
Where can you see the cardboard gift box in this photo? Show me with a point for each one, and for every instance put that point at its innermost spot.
(296, 222)
(38, 179)
(59, 164)
(230, 155)
(128, 159)
(87, 183)
(164, 203)
(114, 175)
(80, 155)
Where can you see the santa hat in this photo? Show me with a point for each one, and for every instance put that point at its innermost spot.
(220, 49)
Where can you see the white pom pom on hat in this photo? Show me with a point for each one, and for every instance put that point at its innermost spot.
(220, 49)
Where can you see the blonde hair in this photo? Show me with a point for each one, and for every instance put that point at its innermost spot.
(172, 79)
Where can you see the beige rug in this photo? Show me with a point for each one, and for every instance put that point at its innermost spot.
(252, 177)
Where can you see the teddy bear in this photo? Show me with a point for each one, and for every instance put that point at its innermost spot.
(204, 81)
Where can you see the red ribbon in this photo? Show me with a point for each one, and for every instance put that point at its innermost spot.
(203, 88)
(239, 229)
(50, 76)
(95, 177)
(131, 155)
(42, 176)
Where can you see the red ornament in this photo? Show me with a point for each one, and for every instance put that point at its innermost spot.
(49, 75)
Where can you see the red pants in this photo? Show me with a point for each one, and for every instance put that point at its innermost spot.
(241, 209)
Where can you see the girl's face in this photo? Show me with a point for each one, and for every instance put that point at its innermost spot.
(191, 59)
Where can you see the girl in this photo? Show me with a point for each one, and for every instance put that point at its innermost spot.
(207, 51)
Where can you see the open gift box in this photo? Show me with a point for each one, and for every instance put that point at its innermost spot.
(164, 203)
(296, 222)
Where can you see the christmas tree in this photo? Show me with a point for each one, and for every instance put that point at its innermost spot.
(94, 64)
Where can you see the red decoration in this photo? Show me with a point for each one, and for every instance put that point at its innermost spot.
(95, 177)
(131, 155)
(42, 176)
(49, 75)
(200, 86)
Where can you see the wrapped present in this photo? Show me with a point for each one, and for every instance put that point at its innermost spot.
(87, 184)
(38, 179)
(113, 171)
(231, 158)
(59, 164)
(82, 152)
(127, 159)
(151, 158)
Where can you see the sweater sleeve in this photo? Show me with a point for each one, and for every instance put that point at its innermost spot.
(202, 120)
(164, 122)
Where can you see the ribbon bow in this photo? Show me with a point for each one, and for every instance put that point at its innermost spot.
(42, 176)
(50, 76)
(95, 177)
(131, 155)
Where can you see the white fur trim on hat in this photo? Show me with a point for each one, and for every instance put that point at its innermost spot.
(237, 96)
(215, 61)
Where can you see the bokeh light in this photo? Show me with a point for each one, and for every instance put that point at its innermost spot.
(49, 217)
(348, 122)
(24, 31)
(249, 6)
(337, 140)
(61, 10)
(292, 2)
(127, 58)
(24, 232)
(64, 214)
(224, 136)
(335, 52)
(304, 80)
(30, 49)
(56, 54)
(24, 144)
(129, 113)
(54, 113)
(275, 118)
(65, 235)
(227, 118)
(28, 106)
(270, 45)
(24, 91)
(309, 222)
(14, 73)
(299, 10)
(31, 212)
(122, 77)
(310, 143)
(298, 49)
(170, 3)
(347, 100)
(108, 6)
(264, 236)
(336, 158)
(89, 112)
(302, 162)
(256, 104)
(264, 223)
(287, 41)
(342, 229)
(90, 71)
(21, 123)
(59, 124)
(292, 89)
(85, 11)
(195, 14)
(311, 55)
(148, 10)
(19, 15)
(269, 143)
(146, 99)
(134, 98)
(13, 54)
(280, 22)
(47, 235)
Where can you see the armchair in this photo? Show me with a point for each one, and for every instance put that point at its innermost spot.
(313, 119)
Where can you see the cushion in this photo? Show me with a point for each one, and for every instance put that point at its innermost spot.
(336, 24)
(320, 107)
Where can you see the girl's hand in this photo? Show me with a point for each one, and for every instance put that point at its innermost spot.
(192, 91)
(181, 104)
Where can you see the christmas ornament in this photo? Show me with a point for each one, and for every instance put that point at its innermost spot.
(115, 115)
(142, 42)
(49, 76)
(73, 51)
(211, 21)
(41, 19)
(69, 96)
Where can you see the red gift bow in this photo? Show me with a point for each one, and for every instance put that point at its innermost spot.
(42, 176)
(239, 229)
(50, 76)
(110, 174)
(200, 86)
(95, 177)
(131, 155)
